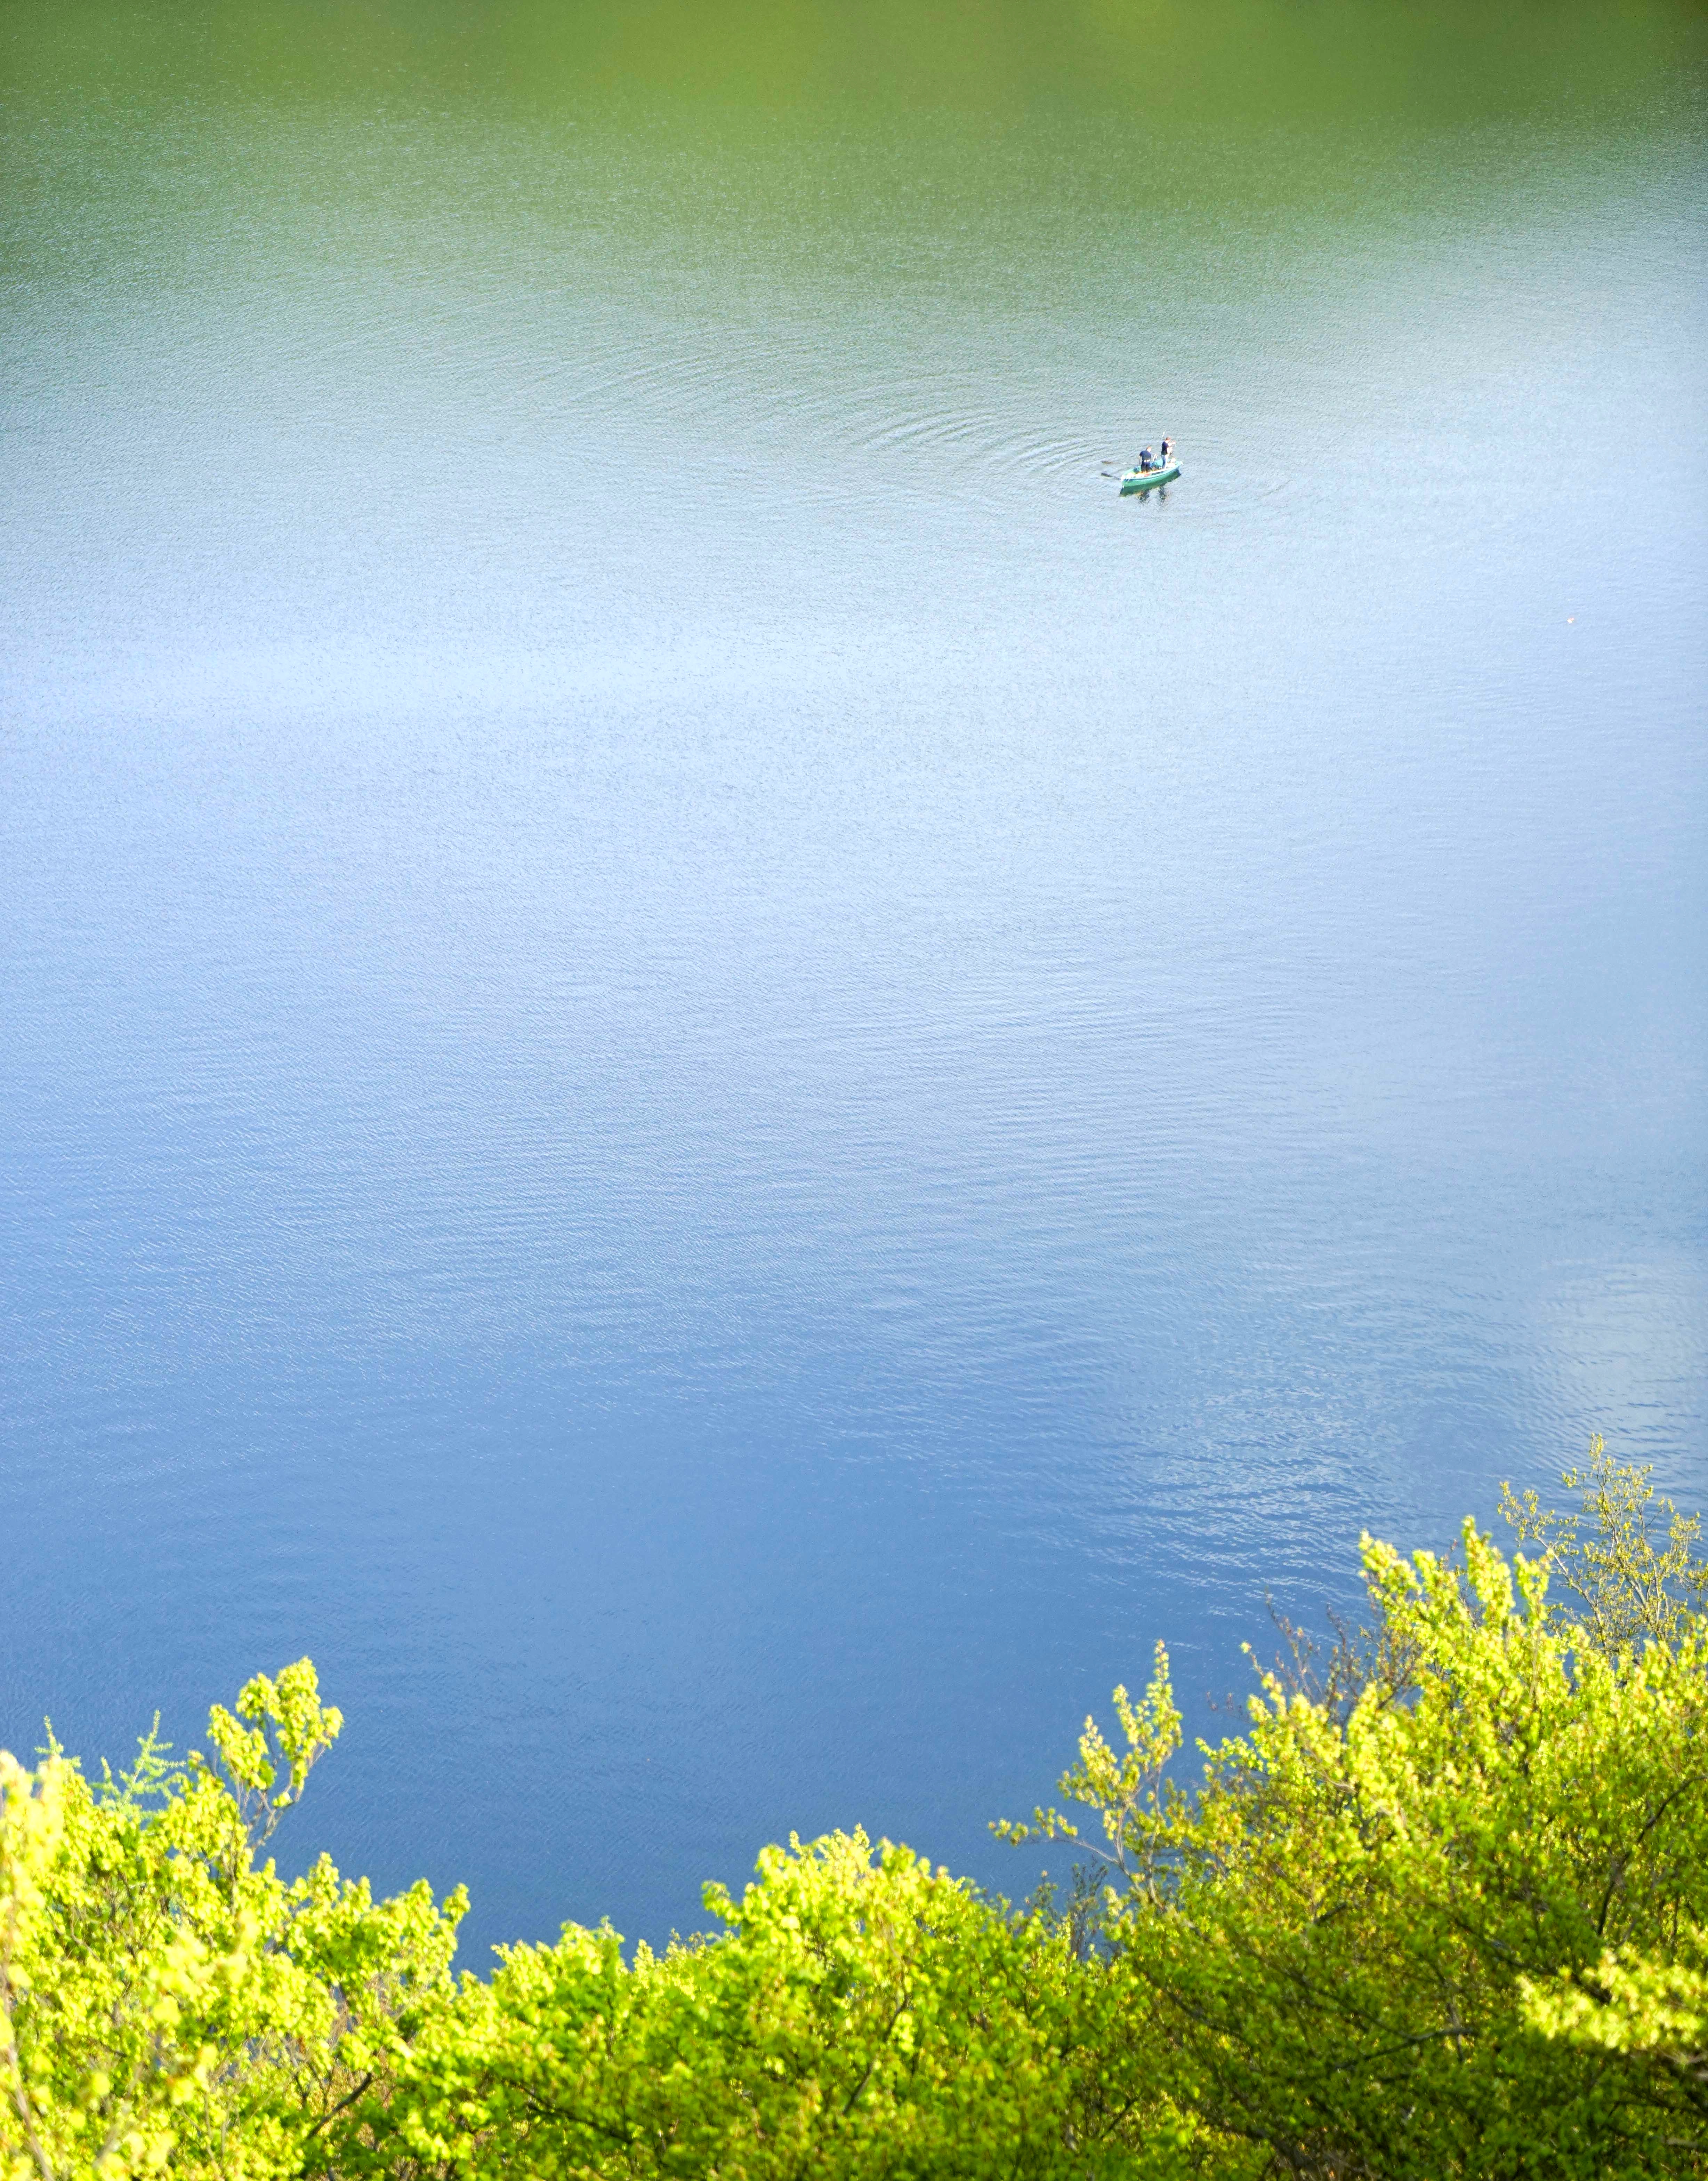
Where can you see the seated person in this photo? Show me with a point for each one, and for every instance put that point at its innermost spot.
(1145, 459)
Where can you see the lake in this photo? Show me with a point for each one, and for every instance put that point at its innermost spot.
(711, 1071)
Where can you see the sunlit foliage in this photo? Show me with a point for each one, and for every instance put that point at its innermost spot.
(1442, 1910)
(166, 2004)
(1450, 1924)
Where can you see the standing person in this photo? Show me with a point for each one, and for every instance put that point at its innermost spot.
(1145, 460)
(1167, 449)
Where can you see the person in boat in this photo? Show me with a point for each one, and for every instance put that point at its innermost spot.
(1167, 449)
(1147, 461)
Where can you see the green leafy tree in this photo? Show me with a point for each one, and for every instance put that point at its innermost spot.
(860, 2014)
(1441, 1911)
(1445, 1918)
(1629, 1588)
(167, 2005)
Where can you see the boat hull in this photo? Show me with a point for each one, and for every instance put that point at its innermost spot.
(1142, 480)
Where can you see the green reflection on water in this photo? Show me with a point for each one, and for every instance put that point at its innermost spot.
(990, 145)
(1181, 66)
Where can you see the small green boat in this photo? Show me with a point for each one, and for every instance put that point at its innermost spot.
(1142, 480)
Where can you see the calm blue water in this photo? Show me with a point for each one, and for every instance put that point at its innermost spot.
(718, 1078)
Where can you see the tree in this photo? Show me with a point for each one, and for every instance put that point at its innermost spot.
(167, 2005)
(1451, 1925)
(1630, 1590)
(1441, 1911)
(860, 2014)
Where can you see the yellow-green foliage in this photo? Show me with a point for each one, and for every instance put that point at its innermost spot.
(861, 2014)
(1454, 1925)
(167, 2005)
(1441, 1911)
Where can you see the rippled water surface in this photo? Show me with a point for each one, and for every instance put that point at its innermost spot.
(711, 1071)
